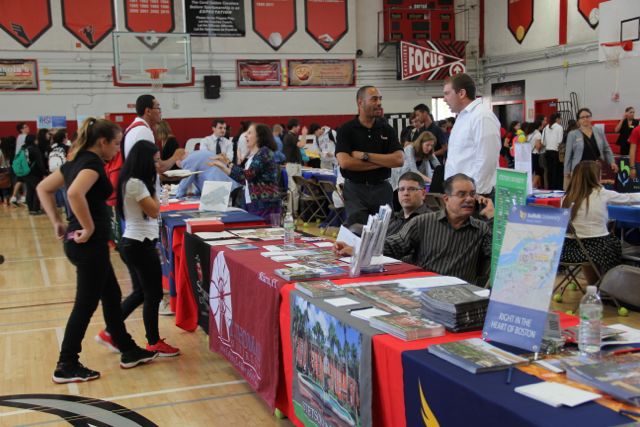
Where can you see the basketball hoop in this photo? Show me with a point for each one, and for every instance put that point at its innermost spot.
(156, 77)
(613, 51)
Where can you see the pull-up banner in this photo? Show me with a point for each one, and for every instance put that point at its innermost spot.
(88, 21)
(520, 18)
(274, 21)
(155, 16)
(25, 20)
(590, 11)
(326, 21)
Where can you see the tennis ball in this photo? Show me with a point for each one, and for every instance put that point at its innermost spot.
(622, 311)
(557, 297)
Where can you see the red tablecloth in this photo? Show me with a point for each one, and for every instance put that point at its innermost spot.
(556, 202)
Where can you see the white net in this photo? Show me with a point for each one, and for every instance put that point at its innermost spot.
(156, 75)
(612, 53)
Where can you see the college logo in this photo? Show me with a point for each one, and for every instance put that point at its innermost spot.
(220, 298)
(430, 60)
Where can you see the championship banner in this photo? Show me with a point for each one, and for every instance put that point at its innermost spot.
(25, 20)
(88, 21)
(213, 18)
(525, 276)
(142, 16)
(274, 21)
(18, 74)
(427, 60)
(590, 11)
(244, 300)
(520, 18)
(321, 73)
(266, 73)
(326, 21)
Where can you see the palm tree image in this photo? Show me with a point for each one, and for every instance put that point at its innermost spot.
(326, 356)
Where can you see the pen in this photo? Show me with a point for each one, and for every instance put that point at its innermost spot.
(509, 372)
(358, 308)
(626, 350)
(627, 412)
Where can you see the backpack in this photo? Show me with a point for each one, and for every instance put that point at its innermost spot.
(20, 163)
(57, 157)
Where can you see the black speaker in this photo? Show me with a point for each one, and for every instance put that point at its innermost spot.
(211, 87)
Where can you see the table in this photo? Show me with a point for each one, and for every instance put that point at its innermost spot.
(311, 173)
(628, 216)
(555, 202)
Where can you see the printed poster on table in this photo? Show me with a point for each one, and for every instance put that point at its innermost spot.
(525, 276)
(215, 18)
(274, 21)
(152, 16)
(331, 367)
(326, 21)
(321, 73)
(266, 73)
(89, 21)
(25, 20)
(511, 190)
(18, 74)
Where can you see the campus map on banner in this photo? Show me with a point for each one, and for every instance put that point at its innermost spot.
(511, 190)
(525, 276)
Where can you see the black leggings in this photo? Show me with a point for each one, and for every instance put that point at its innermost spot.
(143, 263)
(96, 282)
(32, 181)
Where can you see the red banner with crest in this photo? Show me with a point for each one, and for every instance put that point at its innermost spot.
(25, 20)
(590, 11)
(274, 21)
(326, 21)
(520, 18)
(427, 60)
(88, 21)
(155, 16)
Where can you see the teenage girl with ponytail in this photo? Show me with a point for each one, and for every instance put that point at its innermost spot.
(86, 246)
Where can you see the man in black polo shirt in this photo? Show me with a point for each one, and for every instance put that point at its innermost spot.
(366, 150)
(423, 114)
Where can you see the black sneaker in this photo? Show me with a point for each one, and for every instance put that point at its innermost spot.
(135, 357)
(73, 373)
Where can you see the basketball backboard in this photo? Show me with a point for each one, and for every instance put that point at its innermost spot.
(139, 56)
(619, 22)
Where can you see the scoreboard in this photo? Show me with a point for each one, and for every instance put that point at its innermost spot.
(408, 20)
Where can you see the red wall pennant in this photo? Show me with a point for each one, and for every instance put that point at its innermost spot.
(88, 21)
(274, 21)
(520, 18)
(156, 16)
(326, 21)
(427, 60)
(25, 20)
(589, 9)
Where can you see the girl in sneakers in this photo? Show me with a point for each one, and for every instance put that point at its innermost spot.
(86, 245)
(139, 206)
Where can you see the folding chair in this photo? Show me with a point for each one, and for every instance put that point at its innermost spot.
(329, 189)
(193, 144)
(311, 199)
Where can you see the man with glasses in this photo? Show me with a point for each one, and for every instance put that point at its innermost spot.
(411, 194)
(450, 242)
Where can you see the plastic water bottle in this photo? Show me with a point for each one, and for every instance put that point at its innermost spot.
(289, 231)
(589, 338)
(164, 195)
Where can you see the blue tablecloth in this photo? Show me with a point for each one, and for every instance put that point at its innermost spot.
(324, 175)
(457, 398)
(627, 216)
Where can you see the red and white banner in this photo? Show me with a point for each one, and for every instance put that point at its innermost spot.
(427, 60)
(25, 20)
(88, 21)
(326, 21)
(590, 11)
(155, 16)
(274, 21)
(267, 73)
(520, 18)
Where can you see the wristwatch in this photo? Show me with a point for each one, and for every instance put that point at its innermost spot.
(365, 157)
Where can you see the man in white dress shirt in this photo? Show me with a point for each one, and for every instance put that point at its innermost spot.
(474, 143)
(217, 142)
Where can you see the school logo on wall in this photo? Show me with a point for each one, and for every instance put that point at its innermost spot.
(89, 22)
(520, 18)
(590, 11)
(427, 60)
(25, 20)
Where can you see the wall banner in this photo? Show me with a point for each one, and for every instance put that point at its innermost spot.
(321, 73)
(89, 22)
(266, 73)
(326, 21)
(427, 60)
(208, 18)
(274, 21)
(25, 20)
(18, 74)
(520, 18)
(155, 16)
(590, 11)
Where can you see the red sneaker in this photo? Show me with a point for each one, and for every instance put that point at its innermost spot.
(105, 339)
(163, 349)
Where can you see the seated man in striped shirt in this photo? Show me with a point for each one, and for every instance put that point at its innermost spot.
(450, 242)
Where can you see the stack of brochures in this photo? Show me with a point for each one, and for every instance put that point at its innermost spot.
(407, 327)
(458, 307)
(300, 271)
(319, 288)
(476, 356)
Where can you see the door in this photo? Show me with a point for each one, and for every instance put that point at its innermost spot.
(545, 107)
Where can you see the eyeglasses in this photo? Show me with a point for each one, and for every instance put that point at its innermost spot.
(408, 189)
(585, 117)
(156, 108)
(464, 194)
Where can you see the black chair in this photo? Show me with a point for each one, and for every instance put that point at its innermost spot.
(437, 180)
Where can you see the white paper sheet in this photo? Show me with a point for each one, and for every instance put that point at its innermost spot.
(342, 301)
(556, 394)
(212, 235)
(215, 195)
(346, 236)
(368, 313)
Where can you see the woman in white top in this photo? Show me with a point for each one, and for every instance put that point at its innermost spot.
(552, 136)
(139, 206)
(537, 149)
(588, 202)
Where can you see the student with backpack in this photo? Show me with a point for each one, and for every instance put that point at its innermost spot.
(29, 165)
(86, 245)
(138, 205)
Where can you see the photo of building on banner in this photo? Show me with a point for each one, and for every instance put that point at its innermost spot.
(525, 276)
